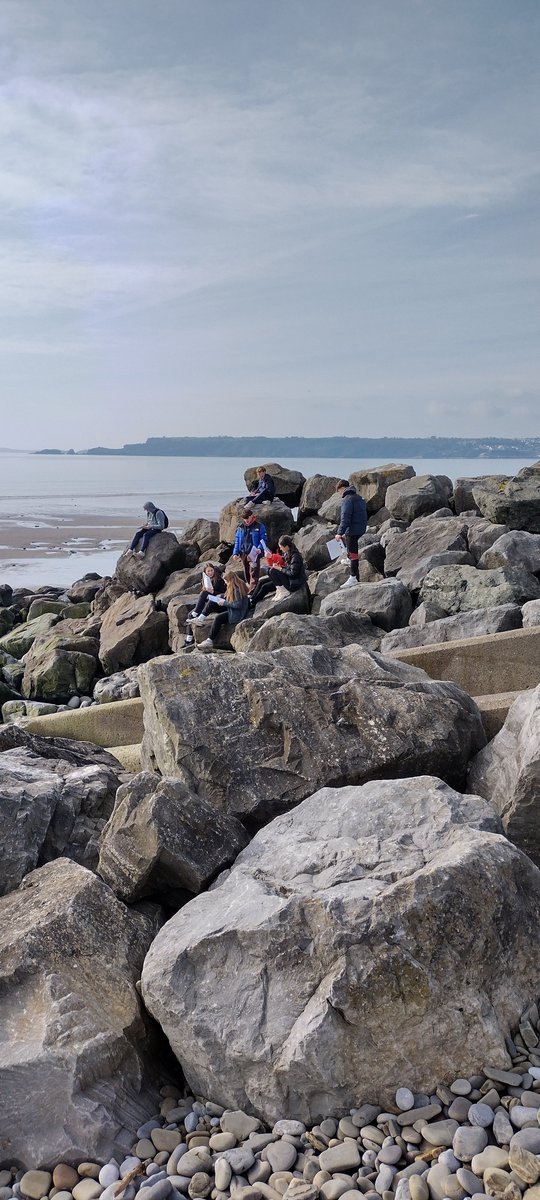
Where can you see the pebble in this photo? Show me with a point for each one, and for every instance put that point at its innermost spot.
(459, 1108)
(425, 1113)
(239, 1124)
(384, 1179)
(468, 1180)
(88, 1170)
(175, 1157)
(344, 1157)
(496, 1181)
(492, 1156)
(241, 1159)
(389, 1154)
(528, 1138)
(418, 1188)
(129, 1164)
(200, 1185)
(524, 1164)
(508, 1077)
(109, 1174)
(191, 1121)
(460, 1087)
(481, 1115)
(404, 1099)
(6, 1177)
(144, 1149)
(281, 1156)
(440, 1133)
(159, 1190)
(521, 1116)
(293, 1128)
(448, 1159)
(222, 1141)
(166, 1139)
(334, 1188)
(36, 1184)
(65, 1177)
(468, 1141)
(87, 1189)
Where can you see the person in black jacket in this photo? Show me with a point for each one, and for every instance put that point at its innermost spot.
(282, 580)
(352, 524)
(264, 489)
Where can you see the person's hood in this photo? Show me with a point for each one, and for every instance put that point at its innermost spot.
(150, 506)
(349, 491)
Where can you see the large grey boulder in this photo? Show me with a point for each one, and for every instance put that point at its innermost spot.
(289, 483)
(507, 773)
(315, 491)
(411, 498)
(276, 517)
(110, 590)
(62, 662)
(74, 1075)
(388, 603)
(330, 579)
(481, 535)
(293, 720)
(18, 641)
(131, 632)
(203, 533)
(311, 541)
(477, 623)
(50, 808)
(68, 750)
(531, 613)
(515, 503)
(373, 482)
(161, 837)
(296, 602)
(423, 538)
(331, 510)
(346, 934)
(413, 576)
(164, 555)
(291, 629)
(123, 685)
(460, 589)
(463, 494)
(514, 549)
(179, 584)
(86, 588)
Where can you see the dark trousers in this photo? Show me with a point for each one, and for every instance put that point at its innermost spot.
(207, 604)
(221, 619)
(351, 542)
(252, 571)
(265, 587)
(145, 534)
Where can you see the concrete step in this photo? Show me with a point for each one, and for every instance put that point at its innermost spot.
(494, 710)
(129, 756)
(482, 666)
(119, 724)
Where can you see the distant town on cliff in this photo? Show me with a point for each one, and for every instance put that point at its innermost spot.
(266, 448)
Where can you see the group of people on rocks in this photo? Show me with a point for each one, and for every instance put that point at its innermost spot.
(225, 596)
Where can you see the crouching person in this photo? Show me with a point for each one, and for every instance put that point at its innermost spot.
(282, 580)
(235, 608)
(211, 599)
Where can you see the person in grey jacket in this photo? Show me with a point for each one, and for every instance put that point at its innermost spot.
(155, 522)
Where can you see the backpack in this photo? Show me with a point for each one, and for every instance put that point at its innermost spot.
(165, 518)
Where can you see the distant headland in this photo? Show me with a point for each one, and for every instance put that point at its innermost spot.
(267, 448)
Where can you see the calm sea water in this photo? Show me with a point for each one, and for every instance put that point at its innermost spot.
(42, 488)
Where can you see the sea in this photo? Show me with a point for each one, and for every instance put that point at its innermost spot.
(38, 491)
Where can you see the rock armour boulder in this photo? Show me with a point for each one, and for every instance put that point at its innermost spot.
(388, 603)
(478, 623)
(276, 517)
(344, 933)
(515, 503)
(374, 482)
(164, 555)
(293, 629)
(297, 719)
(416, 497)
(507, 772)
(132, 631)
(460, 589)
(288, 483)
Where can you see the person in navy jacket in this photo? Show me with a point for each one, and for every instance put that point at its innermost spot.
(265, 489)
(352, 524)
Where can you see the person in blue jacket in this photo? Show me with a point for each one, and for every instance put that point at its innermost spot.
(352, 524)
(235, 609)
(250, 546)
(264, 489)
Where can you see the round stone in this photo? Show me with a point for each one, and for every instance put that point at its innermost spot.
(190, 1122)
(109, 1174)
(389, 1154)
(449, 1160)
(404, 1099)
(239, 1123)
(528, 1138)
(492, 1156)
(418, 1187)
(460, 1087)
(223, 1174)
(88, 1170)
(241, 1159)
(36, 1184)
(65, 1177)
(334, 1189)
(468, 1141)
(166, 1139)
(383, 1182)
(468, 1180)
(222, 1141)
(87, 1189)
(521, 1116)
(129, 1164)
(344, 1157)
(481, 1115)
(200, 1185)
(294, 1128)
(440, 1133)
(281, 1156)
(496, 1181)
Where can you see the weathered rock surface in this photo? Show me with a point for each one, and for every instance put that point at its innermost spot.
(330, 579)
(388, 603)
(62, 662)
(78, 754)
(507, 772)
(277, 518)
(180, 583)
(311, 540)
(110, 590)
(462, 496)
(296, 602)
(123, 685)
(203, 532)
(411, 498)
(289, 483)
(516, 503)
(6, 593)
(74, 1082)
(51, 807)
(331, 510)
(291, 629)
(481, 535)
(413, 576)
(161, 837)
(531, 613)
(382, 887)
(297, 720)
(315, 491)
(42, 605)
(373, 483)
(86, 588)
(478, 622)
(132, 631)
(164, 555)
(460, 589)
(514, 549)
(19, 640)
(423, 538)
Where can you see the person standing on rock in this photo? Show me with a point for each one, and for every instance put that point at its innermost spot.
(235, 608)
(282, 580)
(265, 488)
(352, 524)
(156, 521)
(211, 599)
(250, 546)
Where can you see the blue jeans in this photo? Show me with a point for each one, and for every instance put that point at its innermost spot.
(145, 534)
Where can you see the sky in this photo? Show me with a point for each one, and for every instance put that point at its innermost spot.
(268, 217)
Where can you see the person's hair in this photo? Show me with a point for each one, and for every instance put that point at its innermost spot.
(213, 567)
(246, 512)
(341, 483)
(261, 470)
(287, 543)
(236, 586)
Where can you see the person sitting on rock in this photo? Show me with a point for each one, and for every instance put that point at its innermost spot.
(250, 546)
(156, 521)
(264, 489)
(235, 608)
(211, 599)
(282, 580)
(352, 524)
